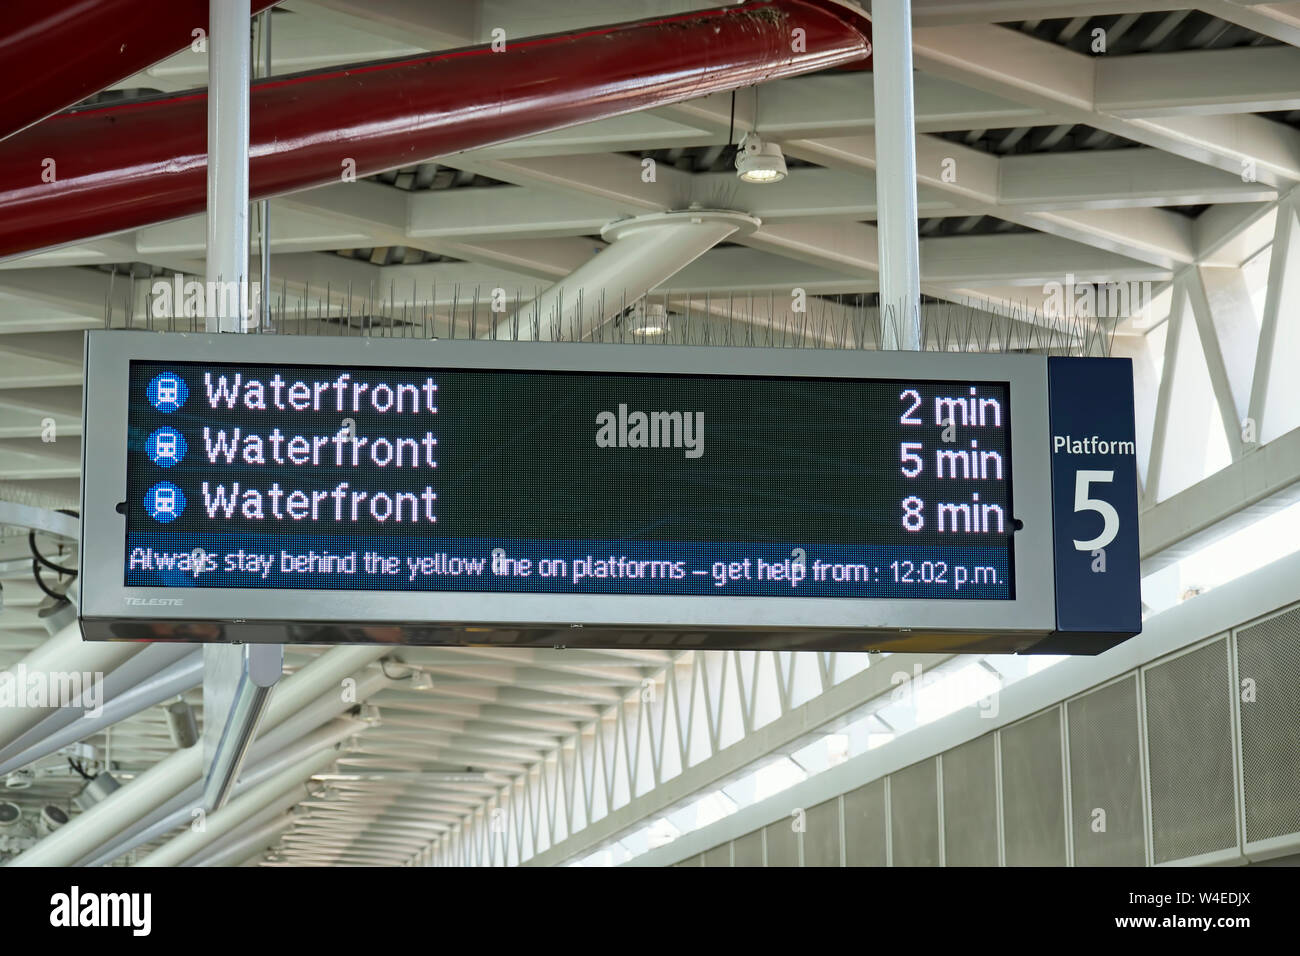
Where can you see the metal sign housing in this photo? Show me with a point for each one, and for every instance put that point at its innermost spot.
(857, 441)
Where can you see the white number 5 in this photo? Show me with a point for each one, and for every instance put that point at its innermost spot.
(1082, 502)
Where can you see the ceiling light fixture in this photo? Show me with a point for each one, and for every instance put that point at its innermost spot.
(759, 162)
(654, 320)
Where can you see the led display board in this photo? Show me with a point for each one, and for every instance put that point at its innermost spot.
(342, 490)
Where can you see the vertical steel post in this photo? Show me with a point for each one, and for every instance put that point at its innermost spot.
(900, 272)
(258, 667)
(264, 207)
(229, 60)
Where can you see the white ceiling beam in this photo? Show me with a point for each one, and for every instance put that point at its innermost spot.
(1230, 338)
(575, 206)
(842, 104)
(80, 292)
(1248, 79)
(1258, 485)
(20, 315)
(617, 134)
(430, 24)
(21, 371)
(383, 214)
(1166, 240)
(1275, 389)
(1119, 179)
(1025, 260)
(974, 180)
(1155, 237)
(496, 715)
(300, 43)
(53, 400)
(848, 247)
(433, 283)
(1050, 77)
(1281, 21)
(948, 12)
(736, 271)
(1242, 144)
(99, 252)
(507, 212)
(292, 230)
(1227, 338)
(26, 458)
(1229, 235)
(622, 181)
(1180, 439)
(62, 347)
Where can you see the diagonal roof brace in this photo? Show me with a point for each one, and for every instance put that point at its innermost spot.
(644, 252)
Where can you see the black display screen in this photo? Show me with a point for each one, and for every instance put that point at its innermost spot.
(376, 478)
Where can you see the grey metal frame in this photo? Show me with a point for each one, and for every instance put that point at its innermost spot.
(104, 597)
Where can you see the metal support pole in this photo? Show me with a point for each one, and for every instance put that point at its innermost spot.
(229, 60)
(900, 271)
(264, 207)
(263, 664)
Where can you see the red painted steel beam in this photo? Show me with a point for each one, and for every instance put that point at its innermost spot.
(55, 53)
(129, 165)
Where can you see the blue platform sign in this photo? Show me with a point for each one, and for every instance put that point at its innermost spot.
(1094, 504)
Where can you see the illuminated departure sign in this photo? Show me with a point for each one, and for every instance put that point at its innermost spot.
(273, 488)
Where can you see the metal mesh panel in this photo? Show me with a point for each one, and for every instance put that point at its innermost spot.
(970, 804)
(782, 843)
(1268, 654)
(864, 825)
(1189, 741)
(821, 841)
(1106, 777)
(914, 814)
(749, 849)
(1033, 794)
(718, 856)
